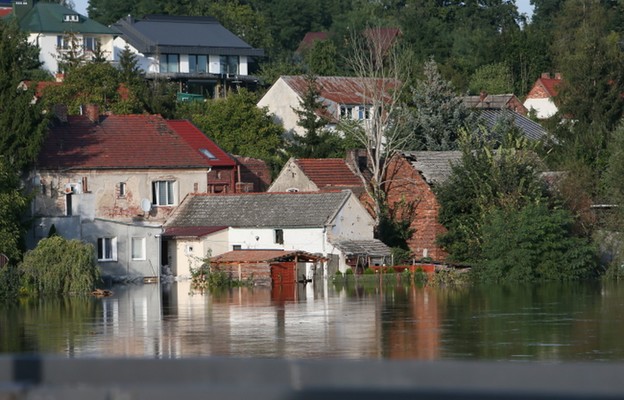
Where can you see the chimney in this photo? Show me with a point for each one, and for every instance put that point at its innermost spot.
(60, 112)
(92, 111)
(545, 75)
(558, 75)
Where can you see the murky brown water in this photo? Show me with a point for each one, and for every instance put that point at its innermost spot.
(568, 322)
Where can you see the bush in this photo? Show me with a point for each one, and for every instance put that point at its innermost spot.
(533, 243)
(59, 266)
(9, 282)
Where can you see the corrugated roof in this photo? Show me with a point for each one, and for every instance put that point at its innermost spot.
(270, 210)
(371, 247)
(49, 18)
(328, 173)
(182, 34)
(529, 128)
(257, 256)
(342, 89)
(191, 231)
(435, 166)
(124, 141)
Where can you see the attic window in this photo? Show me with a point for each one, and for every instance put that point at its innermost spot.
(71, 18)
(208, 154)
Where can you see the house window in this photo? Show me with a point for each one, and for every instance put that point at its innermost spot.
(229, 65)
(346, 112)
(363, 112)
(122, 189)
(62, 42)
(138, 248)
(90, 43)
(169, 63)
(198, 63)
(162, 193)
(279, 236)
(107, 249)
(68, 205)
(237, 247)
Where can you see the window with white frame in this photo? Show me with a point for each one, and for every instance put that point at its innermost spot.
(138, 248)
(346, 112)
(107, 249)
(169, 63)
(122, 189)
(90, 43)
(163, 193)
(63, 42)
(363, 112)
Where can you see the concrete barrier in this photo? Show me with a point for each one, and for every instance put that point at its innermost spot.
(51, 378)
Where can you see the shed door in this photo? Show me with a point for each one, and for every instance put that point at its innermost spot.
(283, 273)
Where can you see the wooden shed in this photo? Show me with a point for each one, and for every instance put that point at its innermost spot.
(274, 267)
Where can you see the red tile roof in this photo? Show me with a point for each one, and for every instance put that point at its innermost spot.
(328, 173)
(126, 141)
(383, 37)
(256, 256)
(308, 40)
(197, 140)
(551, 85)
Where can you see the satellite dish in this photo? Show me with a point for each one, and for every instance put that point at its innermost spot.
(146, 205)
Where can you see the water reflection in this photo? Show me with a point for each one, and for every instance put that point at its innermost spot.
(325, 320)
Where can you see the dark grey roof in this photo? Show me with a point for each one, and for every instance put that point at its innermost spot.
(182, 35)
(268, 210)
(435, 166)
(371, 247)
(529, 128)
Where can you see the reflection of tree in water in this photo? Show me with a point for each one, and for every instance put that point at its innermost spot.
(47, 325)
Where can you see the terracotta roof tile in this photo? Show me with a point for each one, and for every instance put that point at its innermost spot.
(308, 40)
(329, 172)
(124, 141)
(197, 140)
(255, 256)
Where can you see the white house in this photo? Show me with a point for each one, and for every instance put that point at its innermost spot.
(197, 52)
(342, 97)
(541, 97)
(326, 224)
(57, 30)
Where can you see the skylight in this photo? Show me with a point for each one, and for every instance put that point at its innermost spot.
(208, 154)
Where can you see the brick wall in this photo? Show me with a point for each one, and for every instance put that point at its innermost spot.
(411, 197)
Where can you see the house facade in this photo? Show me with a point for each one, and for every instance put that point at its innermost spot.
(198, 53)
(410, 179)
(313, 222)
(541, 97)
(113, 180)
(58, 31)
(342, 98)
(315, 174)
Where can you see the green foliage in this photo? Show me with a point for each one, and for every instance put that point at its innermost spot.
(492, 79)
(238, 126)
(533, 243)
(321, 58)
(13, 204)
(60, 266)
(9, 282)
(488, 178)
(438, 113)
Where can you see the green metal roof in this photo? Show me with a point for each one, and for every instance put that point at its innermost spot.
(49, 18)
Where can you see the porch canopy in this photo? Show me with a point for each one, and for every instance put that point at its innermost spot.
(265, 256)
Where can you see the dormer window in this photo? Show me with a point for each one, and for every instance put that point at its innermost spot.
(71, 18)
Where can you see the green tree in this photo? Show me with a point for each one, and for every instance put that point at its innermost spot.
(238, 126)
(322, 58)
(22, 124)
(438, 114)
(492, 79)
(493, 175)
(13, 204)
(60, 266)
(533, 243)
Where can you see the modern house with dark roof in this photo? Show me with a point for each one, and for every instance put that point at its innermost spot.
(314, 222)
(199, 53)
(112, 180)
(58, 30)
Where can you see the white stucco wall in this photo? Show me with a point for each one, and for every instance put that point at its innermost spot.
(292, 178)
(279, 100)
(352, 222)
(189, 253)
(544, 108)
(49, 55)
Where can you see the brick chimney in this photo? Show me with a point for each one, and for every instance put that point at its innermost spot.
(545, 75)
(92, 111)
(558, 75)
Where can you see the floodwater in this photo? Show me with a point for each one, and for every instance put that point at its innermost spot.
(555, 322)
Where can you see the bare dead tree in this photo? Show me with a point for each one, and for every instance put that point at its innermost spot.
(382, 66)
